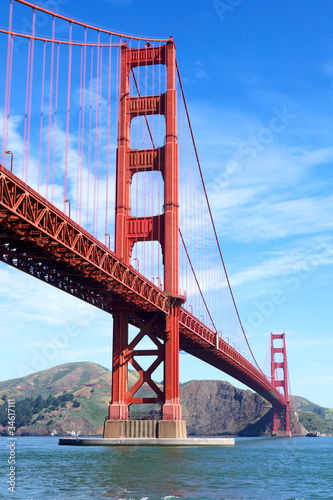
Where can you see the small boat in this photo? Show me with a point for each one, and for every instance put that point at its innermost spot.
(313, 434)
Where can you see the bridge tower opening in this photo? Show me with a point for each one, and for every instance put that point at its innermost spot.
(162, 330)
(279, 372)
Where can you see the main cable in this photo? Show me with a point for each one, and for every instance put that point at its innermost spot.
(211, 215)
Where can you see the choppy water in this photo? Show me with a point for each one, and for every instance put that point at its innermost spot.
(256, 469)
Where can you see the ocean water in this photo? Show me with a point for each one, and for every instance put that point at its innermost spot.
(255, 468)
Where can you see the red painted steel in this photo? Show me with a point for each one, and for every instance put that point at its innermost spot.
(29, 221)
(40, 240)
(163, 228)
(280, 416)
(124, 353)
(203, 343)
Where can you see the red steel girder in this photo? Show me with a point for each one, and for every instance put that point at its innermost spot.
(201, 342)
(40, 240)
(34, 219)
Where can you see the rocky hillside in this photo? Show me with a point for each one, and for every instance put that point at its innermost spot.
(74, 397)
(213, 408)
(312, 416)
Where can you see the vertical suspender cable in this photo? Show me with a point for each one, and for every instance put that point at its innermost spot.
(68, 108)
(55, 121)
(143, 177)
(117, 104)
(78, 176)
(159, 181)
(7, 108)
(89, 137)
(50, 109)
(30, 93)
(137, 165)
(108, 144)
(82, 128)
(152, 244)
(26, 111)
(99, 136)
(96, 138)
(41, 118)
(7, 85)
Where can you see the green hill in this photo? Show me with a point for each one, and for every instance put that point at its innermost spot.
(312, 416)
(74, 397)
(90, 385)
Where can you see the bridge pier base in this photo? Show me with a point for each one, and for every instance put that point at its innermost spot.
(282, 433)
(163, 429)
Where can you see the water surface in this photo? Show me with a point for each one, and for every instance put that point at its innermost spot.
(256, 469)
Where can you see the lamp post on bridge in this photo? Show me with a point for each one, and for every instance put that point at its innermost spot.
(159, 282)
(11, 160)
(137, 265)
(109, 240)
(69, 207)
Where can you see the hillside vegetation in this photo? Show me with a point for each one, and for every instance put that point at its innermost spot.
(312, 416)
(74, 398)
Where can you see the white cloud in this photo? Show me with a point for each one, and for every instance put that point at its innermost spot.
(201, 73)
(28, 300)
(264, 189)
(305, 259)
(93, 193)
(270, 219)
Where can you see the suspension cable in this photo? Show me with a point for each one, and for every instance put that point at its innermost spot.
(262, 369)
(196, 279)
(211, 215)
(85, 25)
(180, 233)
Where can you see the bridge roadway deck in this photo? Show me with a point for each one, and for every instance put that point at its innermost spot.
(42, 241)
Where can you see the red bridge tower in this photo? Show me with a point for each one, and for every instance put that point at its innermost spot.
(280, 416)
(163, 330)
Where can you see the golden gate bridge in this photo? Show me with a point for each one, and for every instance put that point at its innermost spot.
(77, 101)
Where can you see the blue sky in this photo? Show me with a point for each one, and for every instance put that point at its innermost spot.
(258, 76)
